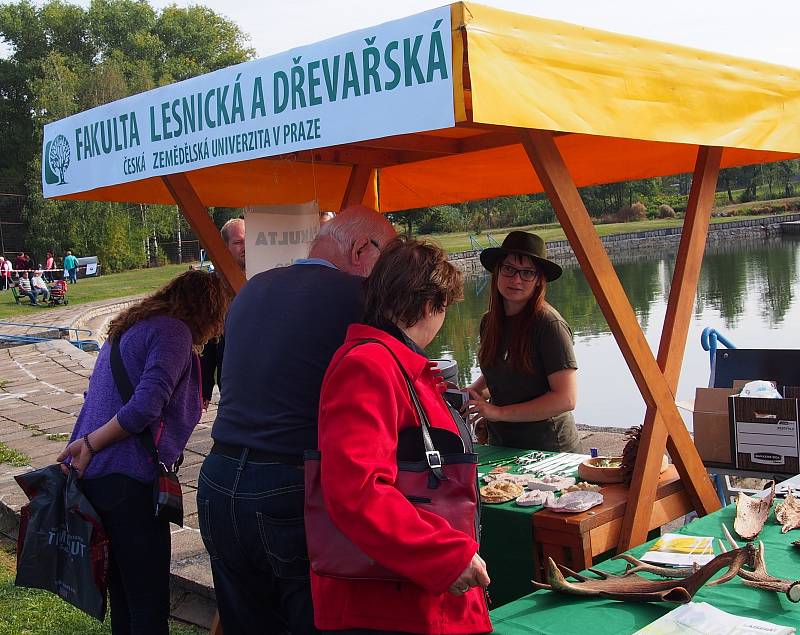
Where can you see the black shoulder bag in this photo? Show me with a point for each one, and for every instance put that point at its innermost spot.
(167, 494)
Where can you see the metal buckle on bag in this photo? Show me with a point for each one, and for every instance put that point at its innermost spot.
(434, 459)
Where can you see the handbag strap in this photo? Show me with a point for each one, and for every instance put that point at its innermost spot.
(432, 456)
(125, 389)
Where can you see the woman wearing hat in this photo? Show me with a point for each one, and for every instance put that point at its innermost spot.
(528, 386)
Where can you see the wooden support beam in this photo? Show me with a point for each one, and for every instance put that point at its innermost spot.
(596, 265)
(490, 140)
(356, 186)
(415, 143)
(197, 214)
(682, 293)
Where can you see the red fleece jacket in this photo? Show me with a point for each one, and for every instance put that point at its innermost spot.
(364, 404)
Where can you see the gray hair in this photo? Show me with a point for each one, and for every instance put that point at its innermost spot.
(226, 228)
(353, 223)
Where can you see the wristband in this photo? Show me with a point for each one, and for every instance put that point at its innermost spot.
(92, 451)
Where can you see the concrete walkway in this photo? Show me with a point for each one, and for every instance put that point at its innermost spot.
(41, 394)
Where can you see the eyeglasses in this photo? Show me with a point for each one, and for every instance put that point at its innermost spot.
(375, 244)
(527, 275)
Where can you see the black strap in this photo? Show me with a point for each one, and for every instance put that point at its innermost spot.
(432, 456)
(125, 389)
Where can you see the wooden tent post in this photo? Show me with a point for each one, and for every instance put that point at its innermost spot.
(596, 265)
(357, 185)
(208, 234)
(682, 293)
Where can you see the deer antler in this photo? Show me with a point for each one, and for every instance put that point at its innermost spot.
(758, 578)
(664, 572)
(635, 588)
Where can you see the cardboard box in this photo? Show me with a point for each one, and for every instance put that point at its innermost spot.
(712, 427)
(766, 433)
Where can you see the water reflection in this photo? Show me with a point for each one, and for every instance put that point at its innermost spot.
(747, 290)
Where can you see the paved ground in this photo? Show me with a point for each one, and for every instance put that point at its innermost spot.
(41, 393)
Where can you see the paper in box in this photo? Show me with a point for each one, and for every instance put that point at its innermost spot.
(766, 434)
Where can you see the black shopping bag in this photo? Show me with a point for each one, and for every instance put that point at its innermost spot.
(62, 546)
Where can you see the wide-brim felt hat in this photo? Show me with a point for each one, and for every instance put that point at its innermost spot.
(522, 244)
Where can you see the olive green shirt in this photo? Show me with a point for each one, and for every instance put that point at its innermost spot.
(551, 350)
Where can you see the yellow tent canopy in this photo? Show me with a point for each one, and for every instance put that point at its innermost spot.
(529, 105)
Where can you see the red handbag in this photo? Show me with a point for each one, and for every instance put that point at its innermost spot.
(443, 483)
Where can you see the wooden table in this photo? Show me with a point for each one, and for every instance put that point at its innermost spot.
(575, 540)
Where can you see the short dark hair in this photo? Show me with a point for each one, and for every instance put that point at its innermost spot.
(408, 275)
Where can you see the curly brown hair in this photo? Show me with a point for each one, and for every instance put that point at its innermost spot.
(408, 275)
(198, 298)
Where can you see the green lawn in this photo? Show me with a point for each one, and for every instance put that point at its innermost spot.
(32, 612)
(459, 241)
(108, 287)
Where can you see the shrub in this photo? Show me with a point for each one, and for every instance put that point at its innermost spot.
(666, 211)
(630, 213)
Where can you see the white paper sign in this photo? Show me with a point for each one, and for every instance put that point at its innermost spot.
(91, 269)
(277, 235)
(392, 79)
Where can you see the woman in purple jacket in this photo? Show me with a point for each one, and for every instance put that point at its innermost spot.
(159, 339)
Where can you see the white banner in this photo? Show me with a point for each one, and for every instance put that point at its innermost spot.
(277, 235)
(392, 79)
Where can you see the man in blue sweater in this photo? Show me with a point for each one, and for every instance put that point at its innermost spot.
(281, 332)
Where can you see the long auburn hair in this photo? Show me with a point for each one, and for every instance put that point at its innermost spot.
(520, 338)
(198, 298)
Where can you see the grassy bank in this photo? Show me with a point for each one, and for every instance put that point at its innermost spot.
(117, 285)
(31, 612)
(459, 241)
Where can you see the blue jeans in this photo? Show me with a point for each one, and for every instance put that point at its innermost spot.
(45, 293)
(73, 275)
(139, 555)
(251, 520)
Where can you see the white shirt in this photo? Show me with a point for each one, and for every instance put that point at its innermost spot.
(37, 282)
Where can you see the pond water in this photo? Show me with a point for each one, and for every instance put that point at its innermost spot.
(748, 290)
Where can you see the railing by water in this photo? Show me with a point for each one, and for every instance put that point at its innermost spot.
(48, 332)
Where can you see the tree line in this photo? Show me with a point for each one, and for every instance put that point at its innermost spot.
(660, 197)
(65, 59)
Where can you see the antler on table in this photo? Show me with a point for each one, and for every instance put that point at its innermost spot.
(664, 572)
(758, 578)
(635, 588)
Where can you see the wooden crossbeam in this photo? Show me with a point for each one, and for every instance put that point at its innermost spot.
(415, 143)
(356, 186)
(596, 265)
(682, 293)
(200, 221)
(403, 149)
(489, 140)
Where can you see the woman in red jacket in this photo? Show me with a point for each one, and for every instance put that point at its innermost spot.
(364, 405)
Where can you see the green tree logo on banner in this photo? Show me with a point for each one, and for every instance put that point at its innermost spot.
(58, 156)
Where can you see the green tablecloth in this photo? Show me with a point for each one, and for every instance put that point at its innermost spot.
(506, 535)
(551, 613)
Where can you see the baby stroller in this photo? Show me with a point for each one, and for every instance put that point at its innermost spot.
(58, 293)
